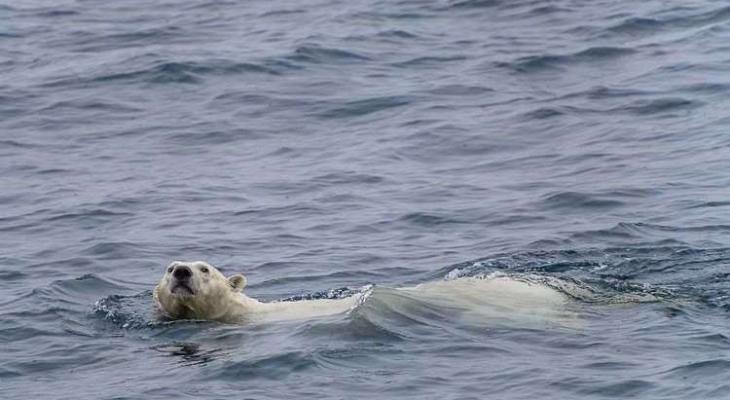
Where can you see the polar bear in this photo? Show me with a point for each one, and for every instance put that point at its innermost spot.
(197, 290)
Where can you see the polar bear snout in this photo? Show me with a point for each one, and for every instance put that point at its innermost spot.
(182, 282)
(182, 273)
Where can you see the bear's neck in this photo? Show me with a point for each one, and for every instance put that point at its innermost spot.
(289, 310)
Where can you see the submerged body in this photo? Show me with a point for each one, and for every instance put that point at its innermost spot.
(495, 300)
(197, 290)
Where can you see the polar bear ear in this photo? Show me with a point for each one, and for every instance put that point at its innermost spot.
(238, 282)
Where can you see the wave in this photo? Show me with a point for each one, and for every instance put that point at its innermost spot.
(545, 62)
(172, 72)
(460, 90)
(430, 219)
(396, 33)
(428, 62)
(206, 136)
(641, 26)
(637, 25)
(187, 72)
(325, 55)
(358, 108)
(660, 105)
(576, 201)
(697, 369)
(474, 4)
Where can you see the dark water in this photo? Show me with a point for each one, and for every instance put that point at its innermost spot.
(324, 145)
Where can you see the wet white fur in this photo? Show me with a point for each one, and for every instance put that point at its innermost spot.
(221, 299)
(497, 299)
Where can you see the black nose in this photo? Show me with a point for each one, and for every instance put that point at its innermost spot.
(182, 272)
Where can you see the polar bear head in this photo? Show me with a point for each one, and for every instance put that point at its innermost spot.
(197, 290)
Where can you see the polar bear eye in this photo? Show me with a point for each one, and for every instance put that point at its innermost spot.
(169, 270)
(204, 270)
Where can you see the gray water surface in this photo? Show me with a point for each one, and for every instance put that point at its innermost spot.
(321, 146)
